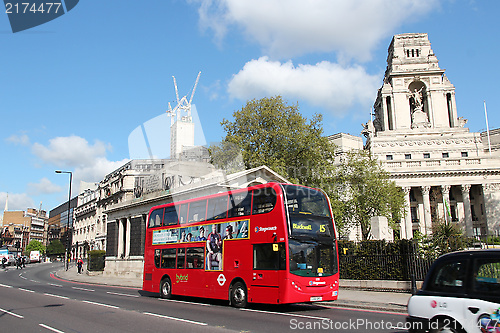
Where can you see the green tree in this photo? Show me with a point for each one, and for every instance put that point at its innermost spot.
(34, 245)
(363, 190)
(270, 132)
(447, 237)
(55, 248)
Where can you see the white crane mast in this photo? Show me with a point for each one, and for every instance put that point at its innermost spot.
(183, 108)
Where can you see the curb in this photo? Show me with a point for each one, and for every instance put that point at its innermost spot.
(398, 308)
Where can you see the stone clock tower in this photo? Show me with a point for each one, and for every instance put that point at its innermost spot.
(445, 170)
(416, 93)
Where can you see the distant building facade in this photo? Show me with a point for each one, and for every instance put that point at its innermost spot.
(24, 226)
(60, 224)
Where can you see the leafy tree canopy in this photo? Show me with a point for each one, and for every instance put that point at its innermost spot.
(363, 190)
(270, 132)
(55, 247)
(34, 245)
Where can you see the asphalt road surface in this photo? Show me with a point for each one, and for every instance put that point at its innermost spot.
(35, 300)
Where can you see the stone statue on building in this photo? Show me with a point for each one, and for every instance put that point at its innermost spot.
(419, 118)
(461, 121)
(368, 129)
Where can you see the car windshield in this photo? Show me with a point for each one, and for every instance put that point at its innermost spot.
(313, 259)
(308, 212)
(306, 201)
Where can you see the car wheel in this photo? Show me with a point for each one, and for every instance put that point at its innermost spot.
(239, 295)
(166, 288)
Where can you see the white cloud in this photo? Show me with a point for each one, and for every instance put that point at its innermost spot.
(97, 170)
(88, 162)
(295, 27)
(328, 85)
(22, 140)
(45, 186)
(71, 151)
(17, 201)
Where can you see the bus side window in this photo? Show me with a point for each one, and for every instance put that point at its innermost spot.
(170, 216)
(239, 204)
(266, 256)
(197, 211)
(217, 208)
(155, 218)
(168, 258)
(264, 200)
(157, 258)
(181, 258)
(182, 212)
(195, 257)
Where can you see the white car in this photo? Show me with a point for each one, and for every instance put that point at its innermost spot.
(461, 293)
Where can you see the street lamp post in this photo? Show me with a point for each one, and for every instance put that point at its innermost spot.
(69, 229)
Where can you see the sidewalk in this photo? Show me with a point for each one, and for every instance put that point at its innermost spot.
(349, 298)
(72, 275)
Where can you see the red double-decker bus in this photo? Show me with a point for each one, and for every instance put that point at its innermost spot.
(271, 243)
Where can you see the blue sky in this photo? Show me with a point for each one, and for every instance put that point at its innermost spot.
(73, 89)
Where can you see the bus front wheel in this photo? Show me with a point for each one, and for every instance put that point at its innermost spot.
(239, 295)
(166, 288)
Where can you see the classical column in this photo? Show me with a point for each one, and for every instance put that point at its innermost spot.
(407, 225)
(427, 209)
(127, 238)
(445, 190)
(121, 246)
(469, 232)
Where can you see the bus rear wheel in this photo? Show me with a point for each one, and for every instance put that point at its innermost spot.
(166, 288)
(239, 295)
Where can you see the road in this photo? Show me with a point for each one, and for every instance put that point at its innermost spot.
(35, 300)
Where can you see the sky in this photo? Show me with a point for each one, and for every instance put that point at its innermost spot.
(73, 90)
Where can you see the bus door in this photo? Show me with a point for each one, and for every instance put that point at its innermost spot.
(269, 263)
(193, 278)
(149, 268)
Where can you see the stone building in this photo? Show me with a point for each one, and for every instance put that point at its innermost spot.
(89, 228)
(446, 171)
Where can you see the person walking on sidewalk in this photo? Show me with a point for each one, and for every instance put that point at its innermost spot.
(79, 264)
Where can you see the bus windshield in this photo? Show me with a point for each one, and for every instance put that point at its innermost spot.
(312, 245)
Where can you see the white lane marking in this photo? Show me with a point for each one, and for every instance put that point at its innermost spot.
(101, 304)
(108, 292)
(11, 313)
(55, 285)
(286, 314)
(177, 319)
(34, 281)
(22, 277)
(22, 289)
(77, 288)
(175, 301)
(50, 328)
(4, 285)
(46, 294)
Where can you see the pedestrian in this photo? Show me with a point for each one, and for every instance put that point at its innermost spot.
(4, 261)
(23, 261)
(18, 263)
(79, 264)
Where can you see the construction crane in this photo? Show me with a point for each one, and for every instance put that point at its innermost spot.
(183, 108)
